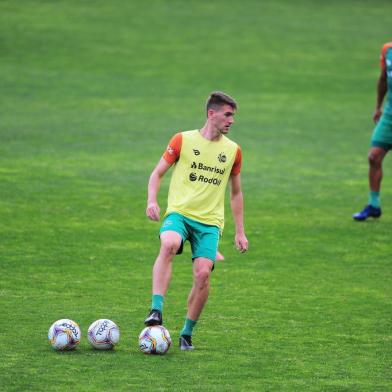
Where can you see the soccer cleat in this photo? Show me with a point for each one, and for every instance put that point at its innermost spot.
(154, 318)
(186, 343)
(368, 212)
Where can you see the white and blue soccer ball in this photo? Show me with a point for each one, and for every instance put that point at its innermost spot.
(155, 340)
(103, 334)
(64, 334)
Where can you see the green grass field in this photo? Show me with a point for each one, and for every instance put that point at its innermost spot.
(91, 92)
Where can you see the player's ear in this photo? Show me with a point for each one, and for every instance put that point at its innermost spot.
(210, 113)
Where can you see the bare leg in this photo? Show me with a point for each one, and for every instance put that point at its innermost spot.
(376, 156)
(162, 271)
(201, 287)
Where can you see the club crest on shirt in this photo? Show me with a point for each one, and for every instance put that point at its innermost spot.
(222, 157)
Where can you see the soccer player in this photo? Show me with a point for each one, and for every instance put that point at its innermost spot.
(204, 162)
(381, 141)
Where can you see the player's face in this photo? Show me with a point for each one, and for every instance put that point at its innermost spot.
(223, 118)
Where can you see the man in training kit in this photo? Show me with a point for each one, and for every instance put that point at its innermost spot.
(381, 141)
(204, 161)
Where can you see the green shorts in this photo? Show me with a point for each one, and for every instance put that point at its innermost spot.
(203, 238)
(382, 134)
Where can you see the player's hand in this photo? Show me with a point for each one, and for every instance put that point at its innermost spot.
(153, 211)
(241, 242)
(377, 114)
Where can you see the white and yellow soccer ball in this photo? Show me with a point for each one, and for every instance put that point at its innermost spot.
(155, 340)
(103, 334)
(64, 334)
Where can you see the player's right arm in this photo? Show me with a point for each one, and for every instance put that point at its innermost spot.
(381, 85)
(170, 156)
(153, 210)
(381, 92)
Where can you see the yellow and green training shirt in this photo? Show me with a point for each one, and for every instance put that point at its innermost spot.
(201, 172)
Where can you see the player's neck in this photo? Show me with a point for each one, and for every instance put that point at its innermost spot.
(210, 133)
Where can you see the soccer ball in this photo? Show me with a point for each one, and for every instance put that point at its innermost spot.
(155, 340)
(103, 334)
(64, 334)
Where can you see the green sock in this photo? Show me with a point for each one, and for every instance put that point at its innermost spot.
(188, 327)
(157, 302)
(374, 199)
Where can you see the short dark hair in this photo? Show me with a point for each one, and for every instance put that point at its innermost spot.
(218, 99)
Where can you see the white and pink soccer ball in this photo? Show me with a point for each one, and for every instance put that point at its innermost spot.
(64, 334)
(155, 340)
(103, 334)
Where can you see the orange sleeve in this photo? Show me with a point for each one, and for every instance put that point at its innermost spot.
(383, 52)
(172, 153)
(236, 169)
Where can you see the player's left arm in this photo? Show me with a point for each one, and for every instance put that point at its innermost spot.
(237, 208)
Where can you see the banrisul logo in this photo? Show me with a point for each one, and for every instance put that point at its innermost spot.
(196, 152)
(222, 157)
(212, 169)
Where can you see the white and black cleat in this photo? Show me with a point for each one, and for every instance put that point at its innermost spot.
(154, 318)
(186, 343)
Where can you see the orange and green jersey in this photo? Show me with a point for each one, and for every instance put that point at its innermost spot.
(201, 172)
(386, 64)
